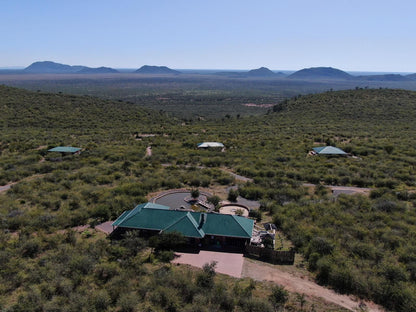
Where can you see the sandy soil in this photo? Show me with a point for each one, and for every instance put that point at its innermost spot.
(236, 176)
(343, 189)
(258, 105)
(227, 263)
(148, 151)
(6, 187)
(301, 284)
(231, 210)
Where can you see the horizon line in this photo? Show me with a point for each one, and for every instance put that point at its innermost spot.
(228, 69)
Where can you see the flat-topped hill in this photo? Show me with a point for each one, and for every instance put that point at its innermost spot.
(99, 70)
(320, 73)
(156, 70)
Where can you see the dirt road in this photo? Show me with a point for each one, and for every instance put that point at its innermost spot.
(5, 187)
(299, 284)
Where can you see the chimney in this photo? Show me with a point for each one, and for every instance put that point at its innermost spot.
(202, 219)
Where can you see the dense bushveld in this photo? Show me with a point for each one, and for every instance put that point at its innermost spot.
(356, 244)
(190, 95)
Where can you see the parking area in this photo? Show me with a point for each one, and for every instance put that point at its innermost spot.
(227, 263)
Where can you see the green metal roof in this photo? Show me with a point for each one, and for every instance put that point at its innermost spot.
(65, 149)
(191, 224)
(187, 226)
(329, 150)
(226, 225)
(130, 217)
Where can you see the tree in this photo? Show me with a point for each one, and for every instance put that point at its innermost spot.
(239, 212)
(205, 279)
(167, 241)
(268, 242)
(278, 297)
(232, 195)
(195, 193)
(215, 200)
(302, 300)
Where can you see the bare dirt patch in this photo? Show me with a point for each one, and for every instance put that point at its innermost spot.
(233, 209)
(8, 186)
(227, 263)
(148, 151)
(302, 284)
(258, 105)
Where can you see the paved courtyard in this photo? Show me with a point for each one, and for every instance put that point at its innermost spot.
(227, 263)
(105, 227)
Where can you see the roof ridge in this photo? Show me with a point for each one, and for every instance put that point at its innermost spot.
(186, 215)
(236, 220)
(131, 214)
(175, 222)
(191, 219)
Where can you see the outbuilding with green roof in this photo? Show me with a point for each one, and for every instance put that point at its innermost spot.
(328, 150)
(65, 149)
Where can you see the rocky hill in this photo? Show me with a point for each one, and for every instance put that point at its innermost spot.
(48, 67)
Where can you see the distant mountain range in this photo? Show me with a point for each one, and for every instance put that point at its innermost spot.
(48, 67)
(387, 77)
(156, 70)
(313, 73)
(412, 76)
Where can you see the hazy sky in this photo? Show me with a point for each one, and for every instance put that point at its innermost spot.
(360, 35)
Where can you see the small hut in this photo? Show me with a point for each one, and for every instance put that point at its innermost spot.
(328, 150)
(210, 145)
(64, 150)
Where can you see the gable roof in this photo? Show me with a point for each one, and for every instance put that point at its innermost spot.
(151, 216)
(126, 215)
(227, 225)
(329, 150)
(187, 226)
(210, 144)
(65, 149)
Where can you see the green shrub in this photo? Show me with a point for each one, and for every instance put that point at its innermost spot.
(256, 214)
(167, 241)
(278, 297)
(232, 195)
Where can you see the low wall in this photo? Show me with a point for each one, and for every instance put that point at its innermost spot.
(270, 255)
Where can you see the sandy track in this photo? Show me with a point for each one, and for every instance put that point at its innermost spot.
(5, 187)
(293, 283)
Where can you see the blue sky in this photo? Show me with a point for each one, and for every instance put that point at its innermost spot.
(365, 35)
